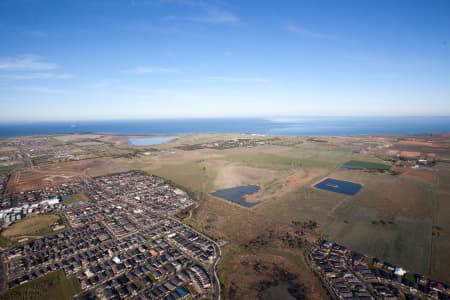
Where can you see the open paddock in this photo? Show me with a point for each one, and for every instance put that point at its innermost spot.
(421, 173)
(30, 226)
(46, 176)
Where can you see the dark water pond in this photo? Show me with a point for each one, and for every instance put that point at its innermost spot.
(151, 140)
(339, 186)
(280, 291)
(236, 194)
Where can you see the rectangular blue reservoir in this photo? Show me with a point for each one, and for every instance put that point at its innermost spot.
(339, 186)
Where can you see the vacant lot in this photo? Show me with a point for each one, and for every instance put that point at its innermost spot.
(31, 226)
(76, 198)
(51, 286)
(41, 177)
(228, 174)
(399, 240)
(273, 160)
(423, 174)
(252, 273)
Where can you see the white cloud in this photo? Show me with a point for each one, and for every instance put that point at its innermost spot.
(147, 70)
(25, 63)
(29, 76)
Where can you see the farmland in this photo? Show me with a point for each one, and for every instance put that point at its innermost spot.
(404, 212)
(51, 286)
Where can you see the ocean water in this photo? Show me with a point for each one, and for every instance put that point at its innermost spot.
(304, 126)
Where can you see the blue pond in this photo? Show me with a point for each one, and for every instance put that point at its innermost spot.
(339, 186)
(151, 140)
(237, 194)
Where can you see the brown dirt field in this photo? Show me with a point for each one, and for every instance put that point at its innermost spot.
(430, 176)
(391, 152)
(418, 143)
(290, 184)
(299, 179)
(231, 174)
(410, 154)
(250, 271)
(39, 178)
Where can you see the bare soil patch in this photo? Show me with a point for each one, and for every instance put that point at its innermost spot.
(427, 175)
(41, 177)
(289, 184)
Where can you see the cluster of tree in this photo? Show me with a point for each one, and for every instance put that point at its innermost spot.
(311, 224)
(284, 239)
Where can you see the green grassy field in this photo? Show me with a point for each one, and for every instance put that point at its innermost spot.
(189, 175)
(268, 159)
(4, 242)
(396, 212)
(441, 225)
(75, 284)
(76, 198)
(366, 165)
(31, 226)
(405, 202)
(51, 286)
(107, 151)
(7, 168)
(402, 241)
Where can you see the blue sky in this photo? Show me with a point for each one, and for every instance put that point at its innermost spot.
(75, 60)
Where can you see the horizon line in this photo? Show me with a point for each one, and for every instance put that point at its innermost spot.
(269, 118)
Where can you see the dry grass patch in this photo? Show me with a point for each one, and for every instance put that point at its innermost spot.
(31, 226)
